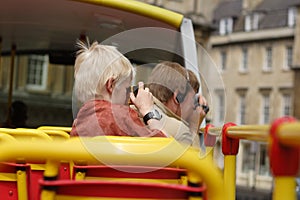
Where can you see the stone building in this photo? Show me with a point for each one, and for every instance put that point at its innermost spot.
(254, 48)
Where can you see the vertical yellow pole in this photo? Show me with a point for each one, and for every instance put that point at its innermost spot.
(230, 148)
(22, 185)
(229, 176)
(47, 195)
(9, 98)
(51, 172)
(80, 176)
(284, 188)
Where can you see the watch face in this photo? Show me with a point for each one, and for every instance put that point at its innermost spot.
(157, 115)
(153, 114)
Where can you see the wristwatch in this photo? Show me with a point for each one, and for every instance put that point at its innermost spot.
(153, 114)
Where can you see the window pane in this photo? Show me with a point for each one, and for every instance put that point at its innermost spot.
(264, 161)
(266, 109)
(287, 104)
(36, 70)
(245, 60)
(268, 59)
(248, 23)
(292, 13)
(242, 110)
(247, 158)
(289, 57)
(223, 60)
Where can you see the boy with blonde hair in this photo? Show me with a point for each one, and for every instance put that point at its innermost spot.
(102, 76)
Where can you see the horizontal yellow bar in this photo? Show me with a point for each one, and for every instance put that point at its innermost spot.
(58, 128)
(119, 150)
(289, 134)
(249, 132)
(37, 166)
(8, 177)
(143, 180)
(26, 133)
(57, 134)
(154, 12)
(216, 131)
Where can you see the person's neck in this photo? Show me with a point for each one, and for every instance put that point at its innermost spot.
(167, 110)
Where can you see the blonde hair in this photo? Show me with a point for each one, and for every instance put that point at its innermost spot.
(94, 65)
(165, 78)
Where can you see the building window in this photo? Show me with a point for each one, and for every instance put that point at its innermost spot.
(223, 60)
(226, 26)
(265, 109)
(254, 152)
(288, 57)
(244, 65)
(268, 59)
(221, 106)
(264, 167)
(286, 105)
(251, 22)
(292, 15)
(242, 110)
(37, 72)
(246, 157)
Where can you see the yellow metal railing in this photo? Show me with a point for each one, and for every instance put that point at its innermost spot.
(119, 150)
(283, 140)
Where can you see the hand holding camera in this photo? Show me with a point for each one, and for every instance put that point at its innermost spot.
(203, 105)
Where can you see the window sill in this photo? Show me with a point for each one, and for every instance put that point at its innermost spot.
(36, 91)
(267, 71)
(243, 71)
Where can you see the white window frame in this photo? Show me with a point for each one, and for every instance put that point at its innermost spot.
(251, 22)
(241, 110)
(226, 26)
(255, 21)
(246, 152)
(261, 147)
(244, 60)
(43, 77)
(288, 61)
(223, 55)
(292, 16)
(268, 59)
(286, 105)
(247, 23)
(265, 109)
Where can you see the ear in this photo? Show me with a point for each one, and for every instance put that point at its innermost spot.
(172, 103)
(110, 85)
(176, 97)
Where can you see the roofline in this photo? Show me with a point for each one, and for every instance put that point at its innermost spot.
(172, 18)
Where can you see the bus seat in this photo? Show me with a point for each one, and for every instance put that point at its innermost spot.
(104, 189)
(130, 173)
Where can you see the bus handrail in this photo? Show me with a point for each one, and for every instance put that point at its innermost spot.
(131, 150)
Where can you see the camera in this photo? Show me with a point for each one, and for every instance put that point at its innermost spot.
(134, 89)
(196, 104)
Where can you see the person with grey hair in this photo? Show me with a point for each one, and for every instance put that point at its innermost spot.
(102, 78)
